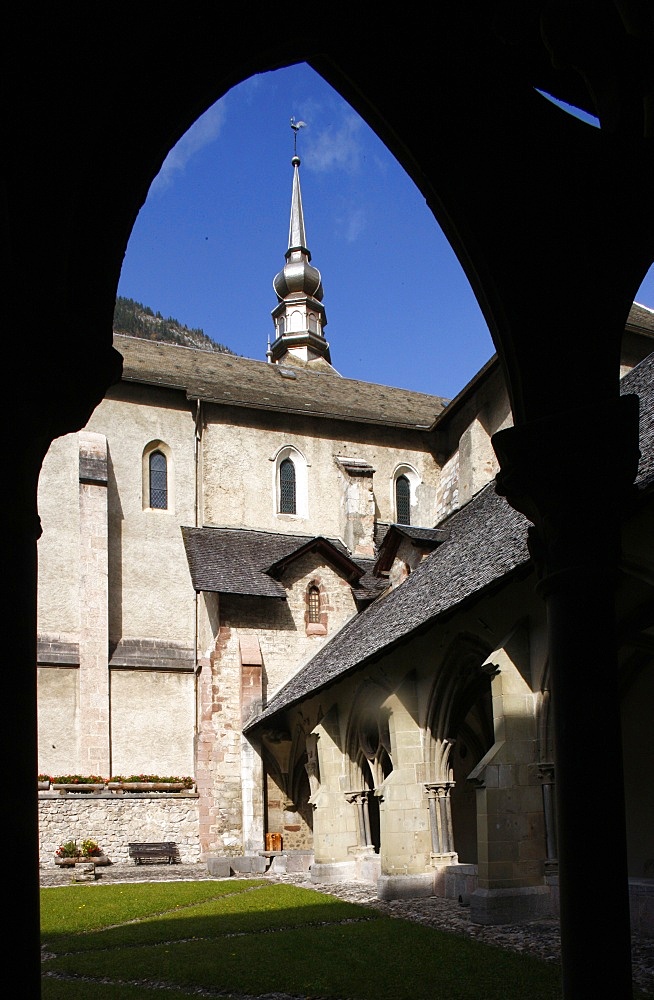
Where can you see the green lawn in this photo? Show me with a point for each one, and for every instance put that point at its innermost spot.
(118, 942)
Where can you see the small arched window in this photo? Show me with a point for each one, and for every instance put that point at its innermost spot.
(402, 500)
(287, 492)
(314, 605)
(158, 481)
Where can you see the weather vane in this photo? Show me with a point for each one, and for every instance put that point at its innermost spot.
(296, 126)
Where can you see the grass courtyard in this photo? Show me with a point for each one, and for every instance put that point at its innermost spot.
(179, 940)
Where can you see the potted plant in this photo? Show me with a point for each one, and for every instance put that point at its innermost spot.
(68, 853)
(43, 782)
(92, 852)
(87, 852)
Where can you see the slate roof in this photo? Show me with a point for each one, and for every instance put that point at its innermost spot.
(240, 561)
(370, 585)
(641, 318)
(227, 379)
(488, 541)
(459, 569)
(416, 534)
(640, 380)
(424, 538)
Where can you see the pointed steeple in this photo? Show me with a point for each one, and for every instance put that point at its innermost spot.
(299, 315)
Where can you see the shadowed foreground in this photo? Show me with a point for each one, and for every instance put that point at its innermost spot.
(253, 938)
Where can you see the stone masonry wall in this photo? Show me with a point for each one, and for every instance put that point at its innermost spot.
(447, 494)
(116, 820)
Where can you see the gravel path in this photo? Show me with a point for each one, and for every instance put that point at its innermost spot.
(540, 938)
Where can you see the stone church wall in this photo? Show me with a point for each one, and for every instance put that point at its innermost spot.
(239, 470)
(146, 547)
(103, 555)
(152, 722)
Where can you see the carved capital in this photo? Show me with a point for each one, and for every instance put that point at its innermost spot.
(439, 789)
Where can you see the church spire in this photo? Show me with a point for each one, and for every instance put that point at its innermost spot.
(299, 315)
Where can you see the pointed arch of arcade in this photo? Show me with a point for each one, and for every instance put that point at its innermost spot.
(284, 755)
(460, 724)
(369, 756)
(367, 736)
(567, 224)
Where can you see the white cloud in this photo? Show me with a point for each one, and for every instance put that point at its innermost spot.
(336, 146)
(204, 131)
(355, 225)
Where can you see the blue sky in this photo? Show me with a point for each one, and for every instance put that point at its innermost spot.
(213, 232)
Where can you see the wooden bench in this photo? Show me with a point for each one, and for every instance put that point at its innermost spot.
(161, 851)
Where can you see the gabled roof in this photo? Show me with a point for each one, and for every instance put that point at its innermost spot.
(459, 569)
(423, 538)
(336, 554)
(232, 381)
(487, 543)
(240, 561)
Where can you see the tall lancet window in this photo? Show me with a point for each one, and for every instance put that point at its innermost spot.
(402, 500)
(287, 497)
(158, 481)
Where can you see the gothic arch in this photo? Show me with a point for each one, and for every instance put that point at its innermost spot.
(367, 737)
(460, 722)
(369, 755)
(566, 223)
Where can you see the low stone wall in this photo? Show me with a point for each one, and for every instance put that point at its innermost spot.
(115, 820)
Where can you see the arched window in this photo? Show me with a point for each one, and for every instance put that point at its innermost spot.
(402, 500)
(158, 480)
(287, 497)
(290, 479)
(314, 605)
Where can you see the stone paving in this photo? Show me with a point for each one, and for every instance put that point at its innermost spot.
(540, 938)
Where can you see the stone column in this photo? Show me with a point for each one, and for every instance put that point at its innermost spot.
(546, 775)
(360, 800)
(440, 819)
(334, 823)
(95, 754)
(551, 472)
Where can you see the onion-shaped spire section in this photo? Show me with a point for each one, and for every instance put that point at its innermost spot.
(299, 316)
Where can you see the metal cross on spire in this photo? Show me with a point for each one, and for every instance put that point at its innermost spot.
(296, 126)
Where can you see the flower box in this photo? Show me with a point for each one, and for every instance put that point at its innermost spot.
(81, 787)
(151, 786)
(98, 859)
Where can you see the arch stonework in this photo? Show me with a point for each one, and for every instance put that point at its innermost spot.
(558, 215)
